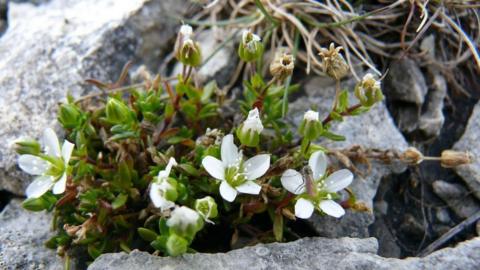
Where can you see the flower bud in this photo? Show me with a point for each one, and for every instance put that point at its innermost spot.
(184, 34)
(412, 156)
(334, 65)
(310, 127)
(450, 158)
(207, 208)
(176, 245)
(282, 65)
(31, 147)
(185, 222)
(251, 48)
(368, 91)
(117, 112)
(186, 50)
(249, 131)
(69, 116)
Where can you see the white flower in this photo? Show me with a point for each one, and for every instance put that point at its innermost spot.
(182, 218)
(250, 41)
(161, 186)
(50, 173)
(323, 187)
(186, 31)
(236, 176)
(253, 122)
(311, 116)
(369, 81)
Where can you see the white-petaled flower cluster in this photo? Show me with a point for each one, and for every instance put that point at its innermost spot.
(160, 187)
(311, 115)
(323, 188)
(235, 174)
(52, 170)
(250, 41)
(253, 122)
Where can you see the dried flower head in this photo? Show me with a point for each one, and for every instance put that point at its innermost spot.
(334, 65)
(282, 65)
(412, 156)
(451, 158)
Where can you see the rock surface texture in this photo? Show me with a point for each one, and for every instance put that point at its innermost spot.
(22, 237)
(374, 129)
(51, 48)
(470, 141)
(307, 253)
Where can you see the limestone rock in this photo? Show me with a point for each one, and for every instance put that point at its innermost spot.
(457, 197)
(470, 141)
(22, 237)
(303, 254)
(51, 48)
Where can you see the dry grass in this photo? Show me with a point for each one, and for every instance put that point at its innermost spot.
(370, 31)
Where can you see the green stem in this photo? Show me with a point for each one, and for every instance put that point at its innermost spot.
(304, 146)
(265, 13)
(289, 79)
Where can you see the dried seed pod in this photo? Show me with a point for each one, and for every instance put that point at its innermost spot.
(334, 65)
(451, 158)
(412, 156)
(282, 65)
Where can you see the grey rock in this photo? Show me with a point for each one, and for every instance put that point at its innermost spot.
(457, 197)
(405, 82)
(470, 141)
(374, 129)
(405, 88)
(51, 48)
(431, 121)
(22, 237)
(307, 253)
(443, 216)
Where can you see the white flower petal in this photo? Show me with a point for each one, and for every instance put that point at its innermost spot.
(60, 185)
(229, 151)
(249, 187)
(39, 186)
(338, 180)
(67, 149)
(33, 164)
(165, 173)
(157, 199)
(318, 164)
(50, 141)
(228, 192)
(332, 208)
(303, 208)
(293, 181)
(214, 167)
(257, 166)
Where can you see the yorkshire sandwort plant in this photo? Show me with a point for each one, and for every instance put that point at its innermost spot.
(151, 166)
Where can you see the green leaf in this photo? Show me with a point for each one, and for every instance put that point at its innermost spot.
(278, 227)
(360, 110)
(119, 201)
(162, 225)
(208, 90)
(333, 136)
(336, 116)
(93, 251)
(342, 101)
(147, 234)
